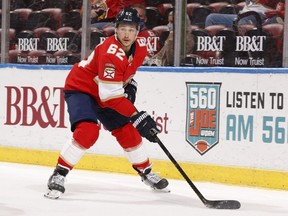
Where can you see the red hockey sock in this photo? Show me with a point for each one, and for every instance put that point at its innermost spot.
(142, 166)
(62, 163)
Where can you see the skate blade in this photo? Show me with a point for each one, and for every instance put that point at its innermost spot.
(164, 190)
(53, 194)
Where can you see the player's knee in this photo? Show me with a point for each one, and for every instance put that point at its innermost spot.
(86, 134)
(127, 136)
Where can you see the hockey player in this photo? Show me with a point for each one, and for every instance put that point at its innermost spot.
(102, 88)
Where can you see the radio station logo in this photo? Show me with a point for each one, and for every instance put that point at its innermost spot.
(202, 116)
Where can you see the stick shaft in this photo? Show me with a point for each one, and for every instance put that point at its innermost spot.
(215, 204)
(195, 189)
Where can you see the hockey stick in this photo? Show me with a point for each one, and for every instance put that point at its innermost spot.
(215, 204)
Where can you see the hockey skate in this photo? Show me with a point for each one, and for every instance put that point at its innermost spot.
(56, 184)
(154, 181)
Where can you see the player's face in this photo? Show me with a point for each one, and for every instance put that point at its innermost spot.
(126, 34)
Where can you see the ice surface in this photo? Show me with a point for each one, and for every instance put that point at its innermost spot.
(104, 194)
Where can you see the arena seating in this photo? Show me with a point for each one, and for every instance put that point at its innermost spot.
(12, 34)
(38, 19)
(154, 17)
(274, 43)
(96, 37)
(163, 32)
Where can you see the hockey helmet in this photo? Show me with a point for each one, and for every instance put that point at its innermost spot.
(129, 16)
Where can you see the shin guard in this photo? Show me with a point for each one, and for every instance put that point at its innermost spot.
(131, 142)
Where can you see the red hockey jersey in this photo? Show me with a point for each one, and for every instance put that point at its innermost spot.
(105, 72)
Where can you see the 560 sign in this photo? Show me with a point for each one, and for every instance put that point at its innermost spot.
(27, 107)
(202, 121)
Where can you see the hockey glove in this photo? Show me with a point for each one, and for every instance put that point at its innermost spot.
(130, 90)
(145, 125)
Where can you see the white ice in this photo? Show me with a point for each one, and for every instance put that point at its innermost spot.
(106, 194)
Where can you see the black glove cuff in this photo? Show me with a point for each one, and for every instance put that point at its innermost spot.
(133, 83)
(136, 119)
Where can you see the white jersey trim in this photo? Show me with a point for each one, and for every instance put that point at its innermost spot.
(109, 90)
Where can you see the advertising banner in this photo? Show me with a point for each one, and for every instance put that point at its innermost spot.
(242, 34)
(202, 126)
(220, 118)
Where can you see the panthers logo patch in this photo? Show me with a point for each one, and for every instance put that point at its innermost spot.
(109, 73)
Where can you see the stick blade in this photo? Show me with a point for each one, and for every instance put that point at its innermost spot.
(223, 204)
